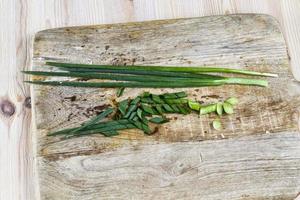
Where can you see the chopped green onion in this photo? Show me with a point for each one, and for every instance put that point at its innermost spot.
(232, 100)
(194, 105)
(217, 124)
(227, 108)
(120, 91)
(219, 108)
(208, 109)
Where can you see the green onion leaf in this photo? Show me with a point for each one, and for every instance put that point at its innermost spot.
(133, 106)
(120, 91)
(132, 115)
(123, 106)
(158, 120)
(175, 95)
(148, 109)
(159, 109)
(147, 100)
(157, 99)
(194, 105)
(217, 124)
(175, 108)
(94, 120)
(110, 133)
(227, 108)
(167, 108)
(139, 113)
(208, 109)
(162, 68)
(232, 100)
(219, 108)
(183, 109)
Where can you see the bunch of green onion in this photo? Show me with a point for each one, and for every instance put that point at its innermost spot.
(146, 76)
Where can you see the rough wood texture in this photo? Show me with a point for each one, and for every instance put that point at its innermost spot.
(240, 41)
(21, 19)
(249, 168)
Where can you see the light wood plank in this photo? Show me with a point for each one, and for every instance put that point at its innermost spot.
(253, 167)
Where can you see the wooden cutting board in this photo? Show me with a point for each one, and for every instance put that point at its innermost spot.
(255, 156)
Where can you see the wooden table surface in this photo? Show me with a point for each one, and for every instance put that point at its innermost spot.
(20, 19)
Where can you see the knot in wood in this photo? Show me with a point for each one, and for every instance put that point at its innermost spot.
(27, 102)
(7, 108)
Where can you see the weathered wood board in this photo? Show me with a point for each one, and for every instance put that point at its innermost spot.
(255, 156)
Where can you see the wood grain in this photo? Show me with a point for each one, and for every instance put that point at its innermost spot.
(239, 41)
(20, 19)
(255, 168)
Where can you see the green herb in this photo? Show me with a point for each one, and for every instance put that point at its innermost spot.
(115, 76)
(159, 109)
(94, 120)
(158, 120)
(217, 124)
(168, 108)
(175, 95)
(110, 133)
(232, 100)
(227, 108)
(139, 113)
(133, 106)
(96, 128)
(162, 68)
(219, 109)
(176, 101)
(144, 127)
(147, 100)
(143, 82)
(208, 109)
(123, 106)
(157, 99)
(194, 105)
(183, 109)
(132, 115)
(175, 108)
(120, 91)
(123, 84)
(148, 109)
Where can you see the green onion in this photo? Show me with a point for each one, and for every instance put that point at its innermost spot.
(219, 108)
(162, 68)
(171, 83)
(117, 77)
(94, 120)
(217, 124)
(208, 109)
(123, 84)
(227, 108)
(120, 91)
(232, 100)
(91, 127)
(194, 105)
(158, 120)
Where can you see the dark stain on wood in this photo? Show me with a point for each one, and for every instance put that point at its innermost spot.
(65, 155)
(101, 107)
(72, 98)
(211, 96)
